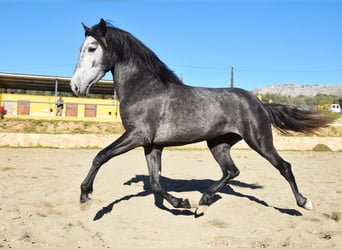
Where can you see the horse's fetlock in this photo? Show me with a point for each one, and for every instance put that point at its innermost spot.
(204, 200)
(86, 189)
(84, 198)
(185, 203)
(236, 173)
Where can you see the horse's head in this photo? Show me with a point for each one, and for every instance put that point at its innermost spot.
(91, 65)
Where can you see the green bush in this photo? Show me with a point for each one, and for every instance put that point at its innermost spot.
(321, 148)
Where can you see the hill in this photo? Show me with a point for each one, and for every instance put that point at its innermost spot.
(293, 89)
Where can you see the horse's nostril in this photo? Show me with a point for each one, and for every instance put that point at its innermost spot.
(75, 89)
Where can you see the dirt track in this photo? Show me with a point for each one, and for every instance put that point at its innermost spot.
(39, 192)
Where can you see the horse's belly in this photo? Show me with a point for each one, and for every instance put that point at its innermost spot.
(171, 135)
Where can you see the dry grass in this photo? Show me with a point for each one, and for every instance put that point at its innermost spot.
(59, 127)
(85, 127)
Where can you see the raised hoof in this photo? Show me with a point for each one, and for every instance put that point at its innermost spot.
(308, 205)
(85, 201)
(85, 206)
(84, 198)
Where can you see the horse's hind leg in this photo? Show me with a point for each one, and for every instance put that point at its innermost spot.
(221, 152)
(153, 158)
(263, 144)
(285, 170)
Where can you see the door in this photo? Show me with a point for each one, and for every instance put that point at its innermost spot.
(71, 109)
(90, 110)
(9, 107)
(23, 108)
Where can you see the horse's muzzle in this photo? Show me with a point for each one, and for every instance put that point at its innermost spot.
(75, 89)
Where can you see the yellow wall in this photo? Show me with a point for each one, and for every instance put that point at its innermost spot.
(44, 107)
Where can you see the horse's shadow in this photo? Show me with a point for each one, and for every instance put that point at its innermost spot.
(178, 185)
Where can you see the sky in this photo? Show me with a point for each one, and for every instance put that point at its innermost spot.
(266, 42)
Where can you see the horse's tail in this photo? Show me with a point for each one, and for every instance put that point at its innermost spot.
(286, 118)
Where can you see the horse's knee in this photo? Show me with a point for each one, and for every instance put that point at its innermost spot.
(205, 200)
(156, 188)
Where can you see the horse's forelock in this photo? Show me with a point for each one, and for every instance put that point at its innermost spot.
(99, 32)
(100, 29)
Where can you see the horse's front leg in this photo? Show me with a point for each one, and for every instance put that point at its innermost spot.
(123, 144)
(153, 158)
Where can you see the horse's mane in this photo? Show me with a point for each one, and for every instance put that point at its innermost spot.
(127, 47)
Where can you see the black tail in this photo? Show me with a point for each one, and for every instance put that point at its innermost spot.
(286, 118)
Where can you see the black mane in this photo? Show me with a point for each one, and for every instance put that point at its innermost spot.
(127, 47)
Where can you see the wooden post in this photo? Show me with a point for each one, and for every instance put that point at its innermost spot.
(232, 77)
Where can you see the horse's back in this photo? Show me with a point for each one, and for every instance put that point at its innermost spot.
(231, 100)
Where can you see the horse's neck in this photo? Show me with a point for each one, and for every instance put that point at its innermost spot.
(122, 75)
(129, 79)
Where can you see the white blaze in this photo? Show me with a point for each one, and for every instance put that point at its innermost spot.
(89, 68)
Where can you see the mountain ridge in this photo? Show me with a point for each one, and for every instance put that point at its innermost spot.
(294, 89)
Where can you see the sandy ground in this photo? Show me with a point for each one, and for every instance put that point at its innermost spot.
(39, 192)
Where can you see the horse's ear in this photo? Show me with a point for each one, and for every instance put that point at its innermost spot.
(86, 29)
(103, 27)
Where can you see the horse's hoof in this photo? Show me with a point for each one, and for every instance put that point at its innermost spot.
(84, 198)
(193, 204)
(308, 205)
(200, 210)
(85, 205)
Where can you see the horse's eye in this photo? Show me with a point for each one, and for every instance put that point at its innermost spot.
(91, 49)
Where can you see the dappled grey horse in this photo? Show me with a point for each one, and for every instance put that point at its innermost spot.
(158, 110)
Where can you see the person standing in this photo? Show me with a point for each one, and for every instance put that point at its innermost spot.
(3, 112)
(60, 105)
